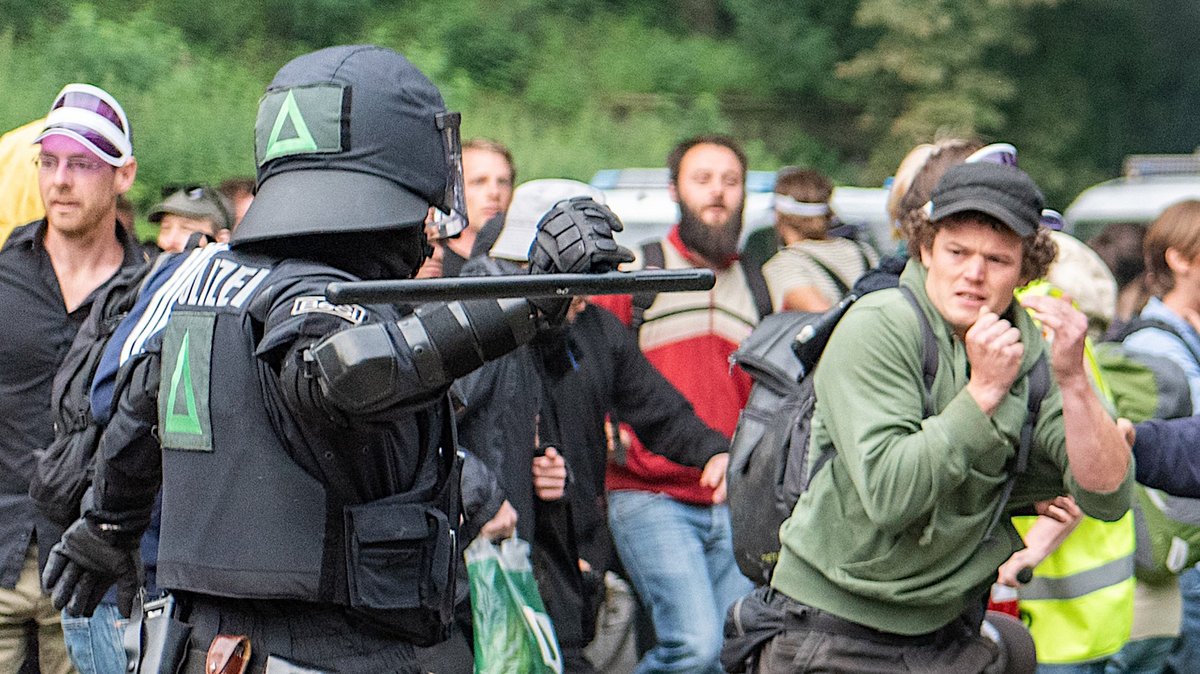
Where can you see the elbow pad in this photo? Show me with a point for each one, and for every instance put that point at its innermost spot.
(371, 367)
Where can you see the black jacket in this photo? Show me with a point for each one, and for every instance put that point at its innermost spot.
(612, 376)
(1165, 455)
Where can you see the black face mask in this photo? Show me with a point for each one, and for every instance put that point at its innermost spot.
(370, 256)
(394, 254)
(718, 244)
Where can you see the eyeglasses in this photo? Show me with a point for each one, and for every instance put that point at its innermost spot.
(48, 163)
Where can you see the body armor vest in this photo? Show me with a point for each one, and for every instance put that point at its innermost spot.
(250, 505)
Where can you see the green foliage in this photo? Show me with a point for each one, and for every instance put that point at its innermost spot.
(573, 86)
(491, 48)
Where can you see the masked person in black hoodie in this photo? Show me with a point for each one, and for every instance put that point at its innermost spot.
(547, 403)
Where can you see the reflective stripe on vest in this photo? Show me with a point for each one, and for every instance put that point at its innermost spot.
(1079, 605)
(1079, 584)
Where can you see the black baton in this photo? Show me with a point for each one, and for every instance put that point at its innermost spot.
(410, 291)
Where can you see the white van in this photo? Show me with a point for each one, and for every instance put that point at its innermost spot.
(639, 197)
(1151, 184)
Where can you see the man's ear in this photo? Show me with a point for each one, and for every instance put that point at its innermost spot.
(223, 235)
(124, 176)
(673, 191)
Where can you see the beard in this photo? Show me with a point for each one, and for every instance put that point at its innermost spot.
(717, 243)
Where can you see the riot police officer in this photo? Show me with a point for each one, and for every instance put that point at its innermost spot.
(307, 464)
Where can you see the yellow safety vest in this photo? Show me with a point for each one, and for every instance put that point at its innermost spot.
(1079, 604)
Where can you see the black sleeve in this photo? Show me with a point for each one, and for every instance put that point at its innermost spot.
(348, 362)
(661, 416)
(128, 461)
(482, 496)
(1165, 458)
(296, 317)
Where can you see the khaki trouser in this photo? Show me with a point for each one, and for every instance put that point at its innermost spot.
(24, 604)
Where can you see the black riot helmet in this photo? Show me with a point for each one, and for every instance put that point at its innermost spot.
(350, 139)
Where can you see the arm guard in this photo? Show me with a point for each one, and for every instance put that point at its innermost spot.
(370, 368)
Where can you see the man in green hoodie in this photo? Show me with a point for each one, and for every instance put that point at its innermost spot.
(887, 558)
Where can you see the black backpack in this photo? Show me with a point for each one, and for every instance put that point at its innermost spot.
(64, 469)
(768, 456)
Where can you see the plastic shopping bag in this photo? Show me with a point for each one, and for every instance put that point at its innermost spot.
(513, 634)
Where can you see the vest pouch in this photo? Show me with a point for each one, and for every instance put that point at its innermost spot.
(399, 559)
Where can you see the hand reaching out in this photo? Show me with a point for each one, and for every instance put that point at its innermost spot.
(549, 475)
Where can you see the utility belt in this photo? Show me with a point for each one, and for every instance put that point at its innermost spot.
(230, 654)
(158, 640)
(758, 617)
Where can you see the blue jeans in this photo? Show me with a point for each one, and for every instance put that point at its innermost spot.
(679, 558)
(1187, 649)
(1141, 656)
(94, 644)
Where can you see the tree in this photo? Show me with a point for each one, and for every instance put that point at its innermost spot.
(938, 67)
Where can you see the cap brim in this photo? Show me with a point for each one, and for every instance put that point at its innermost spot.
(1020, 226)
(322, 201)
(157, 214)
(118, 162)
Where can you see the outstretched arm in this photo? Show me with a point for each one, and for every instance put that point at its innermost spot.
(370, 368)
(1165, 451)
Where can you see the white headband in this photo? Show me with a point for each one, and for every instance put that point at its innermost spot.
(801, 209)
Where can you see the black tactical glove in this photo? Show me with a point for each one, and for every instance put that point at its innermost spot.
(574, 237)
(84, 564)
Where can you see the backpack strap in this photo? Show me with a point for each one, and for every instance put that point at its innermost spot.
(652, 258)
(1138, 324)
(842, 288)
(758, 288)
(1038, 384)
(929, 370)
(929, 350)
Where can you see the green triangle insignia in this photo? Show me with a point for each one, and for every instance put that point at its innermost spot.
(189, 422)
(303, 140)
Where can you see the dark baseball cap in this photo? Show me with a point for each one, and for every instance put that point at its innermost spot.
(199, 203)
(346, 140)
(1004, 192)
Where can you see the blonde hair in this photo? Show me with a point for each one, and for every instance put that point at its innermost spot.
(916, 176)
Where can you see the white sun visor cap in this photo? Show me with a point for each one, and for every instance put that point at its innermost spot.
(531, 200)
(92, 117)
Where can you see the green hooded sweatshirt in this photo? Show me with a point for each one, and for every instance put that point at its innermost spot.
(890, 533)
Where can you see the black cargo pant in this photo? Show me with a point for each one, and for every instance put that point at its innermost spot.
(321, 636)
(817, 641)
